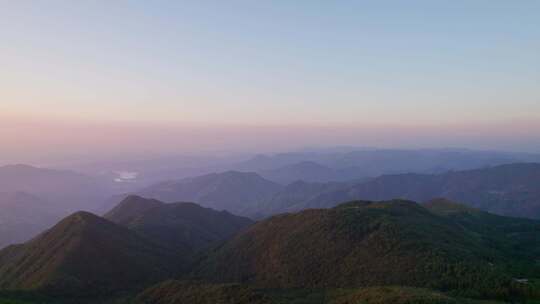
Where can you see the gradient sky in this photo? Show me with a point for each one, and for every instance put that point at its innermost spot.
(441, 68)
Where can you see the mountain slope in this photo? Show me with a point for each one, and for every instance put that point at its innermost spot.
(510, 190)
(184, 226)
(513, 237)
(235, 192)
(84, 254)
(360, 244)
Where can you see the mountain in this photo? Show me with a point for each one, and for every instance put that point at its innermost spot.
(366, 243)
(23, 216)
(510, 190)
(65, 191)
(184, 226)
(84, 254)
(362, 163)
(236, 192)
(310, 172)
(515, 237)
(133, 174)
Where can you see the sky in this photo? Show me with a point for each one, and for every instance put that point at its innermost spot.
(117, 77)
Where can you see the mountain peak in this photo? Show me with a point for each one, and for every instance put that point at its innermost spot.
(85, 253)
(131, 207)
(134, 199)
(83, 216)
(183, 226)
(81, 223)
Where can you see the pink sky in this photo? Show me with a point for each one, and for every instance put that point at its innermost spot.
(40, 141)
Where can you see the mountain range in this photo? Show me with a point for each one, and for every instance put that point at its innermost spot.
(310, 165)
(367, 163)
(365, 243)
(84, 254)
(318, 239)
(505, 189)
(65, 191)
(143, 242)
(338, 253)
(237, 192)
(312, 172)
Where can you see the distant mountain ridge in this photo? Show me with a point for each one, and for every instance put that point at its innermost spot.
(65, 191)
(362, 163)
(506, 189)
(236, 192)
(310, 171)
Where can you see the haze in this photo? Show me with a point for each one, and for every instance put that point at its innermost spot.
(129, 79)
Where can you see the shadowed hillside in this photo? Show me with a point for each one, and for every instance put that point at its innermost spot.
(185, 226)
(84, 254)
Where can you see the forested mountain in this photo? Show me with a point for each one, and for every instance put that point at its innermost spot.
(315, 256)
(85, 255)
(183, 226)
(376, 243)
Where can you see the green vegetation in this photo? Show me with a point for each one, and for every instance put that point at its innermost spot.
(85, 255)
(379, 244)
(359, 252)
